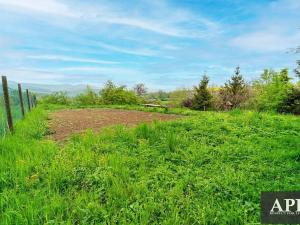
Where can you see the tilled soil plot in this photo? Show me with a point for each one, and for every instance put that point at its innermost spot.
(66, 122)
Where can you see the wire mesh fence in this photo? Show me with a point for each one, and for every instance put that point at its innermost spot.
(2, 113)
(18, 100)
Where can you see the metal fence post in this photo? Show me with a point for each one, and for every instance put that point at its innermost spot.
(7, 104)
(34, 100)
(28, 100)
(33, 103)
(21, 100)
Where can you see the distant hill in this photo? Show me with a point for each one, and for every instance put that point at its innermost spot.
(44, 89)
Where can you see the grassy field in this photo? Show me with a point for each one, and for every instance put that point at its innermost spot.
(206, 168)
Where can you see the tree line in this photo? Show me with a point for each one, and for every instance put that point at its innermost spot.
(272, 91)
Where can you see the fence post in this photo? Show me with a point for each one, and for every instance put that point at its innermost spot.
(21, 100)
(34, 100)
(28, 100)
(7, 104)
(31, 101)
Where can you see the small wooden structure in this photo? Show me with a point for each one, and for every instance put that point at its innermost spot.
(228, 105)
(156, 106)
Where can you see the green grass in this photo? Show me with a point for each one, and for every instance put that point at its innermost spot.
(180, 111)
(2, 121)
(208, 168)
(15, 110)
(2, 116)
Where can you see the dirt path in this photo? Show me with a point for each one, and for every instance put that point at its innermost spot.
(66, 122)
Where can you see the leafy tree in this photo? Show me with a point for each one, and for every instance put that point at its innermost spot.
(162, 95)
(202, 97)
(291, 104)
(60, 98)
(159, 95)
(140, 89)
(89, 97)
(112, 94)
(235, 92)
(178, 97)
(272, 89)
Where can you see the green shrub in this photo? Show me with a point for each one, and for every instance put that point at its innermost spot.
(188, 102)
(159, 96)
(60, 98)
(114, 95)
(291, 104)
(179, 97)
(272, 89)
(89, 97)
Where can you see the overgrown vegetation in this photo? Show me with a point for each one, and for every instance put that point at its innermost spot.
(60, 98)
(204, 169)
(181, 98)
(89, 97)
(273, 92)
(114, 95)
(291, 103)
(110, 94)
(272, 89)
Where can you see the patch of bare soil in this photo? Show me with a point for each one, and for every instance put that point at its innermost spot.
(66, 122)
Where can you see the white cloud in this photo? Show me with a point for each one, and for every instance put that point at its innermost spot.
(69, 59)
(45, 6)
(71, 75)
(114, 71)
(142, 52)
(151, 25)
(32, 75)
(274, 31)
(163, 19)
(285, 5)
(265, 41)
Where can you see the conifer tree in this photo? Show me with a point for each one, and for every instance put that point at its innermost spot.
(235, 91)
(237, 83)
(202, 97)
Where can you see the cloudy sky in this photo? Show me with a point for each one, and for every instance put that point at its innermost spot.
(163, 43)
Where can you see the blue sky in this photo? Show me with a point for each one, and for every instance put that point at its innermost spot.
(165, 44)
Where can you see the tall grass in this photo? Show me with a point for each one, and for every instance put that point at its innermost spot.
(204, 169)
(2, 119)
(15, 107)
